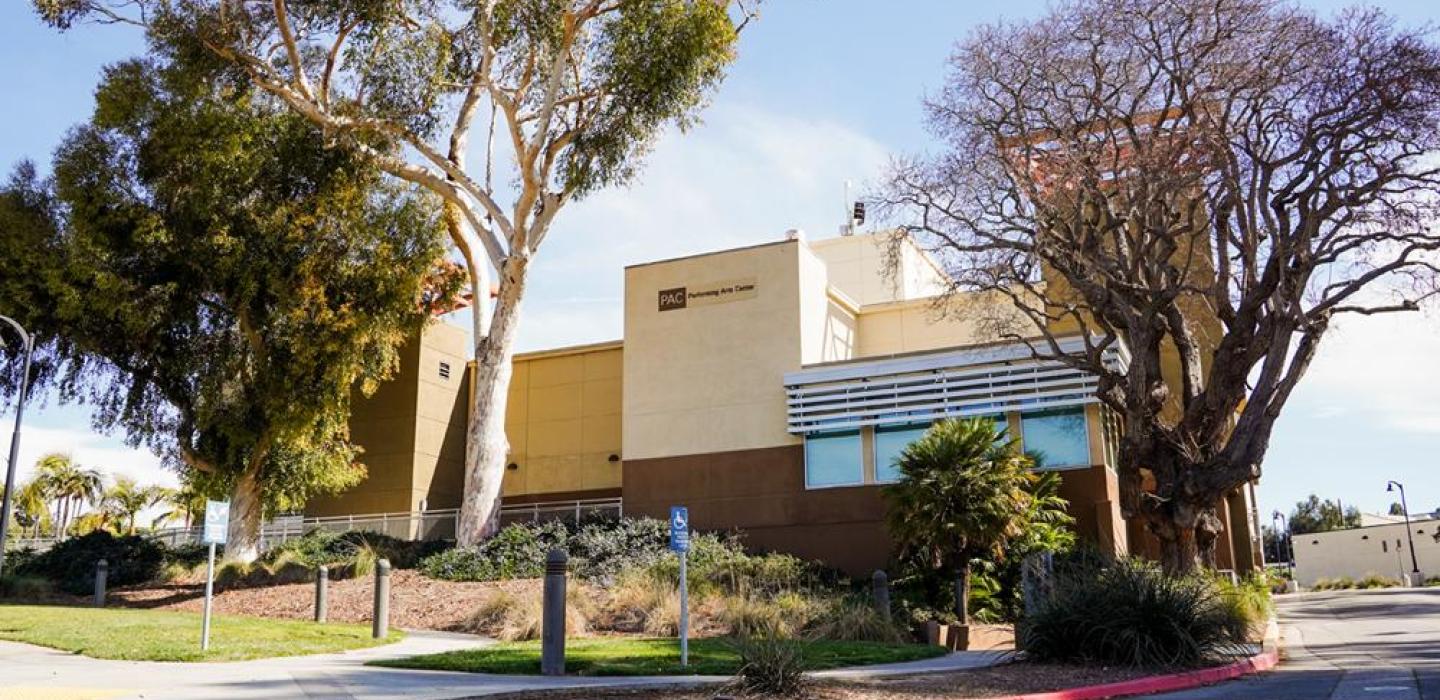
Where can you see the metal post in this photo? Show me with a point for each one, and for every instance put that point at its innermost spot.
(209, 595)
(102, 571)
(381, 623)
(880, 589)
(322, 592)
(1409, 537)
(684, 611)
(28, 346)
(552, 625)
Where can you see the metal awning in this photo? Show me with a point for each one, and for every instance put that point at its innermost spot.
(947, 383)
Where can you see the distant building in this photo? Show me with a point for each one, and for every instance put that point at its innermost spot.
(767, 388)
(1377, 547)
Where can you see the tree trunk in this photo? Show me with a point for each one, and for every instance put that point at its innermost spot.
(242, 539)
(486, 446)
(1188, 533)
(962, 592)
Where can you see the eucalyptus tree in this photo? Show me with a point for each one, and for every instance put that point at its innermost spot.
(578, 91)
(216, 282)
(1209, 185)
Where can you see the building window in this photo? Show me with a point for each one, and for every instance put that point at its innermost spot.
(834, 459)
(890, 441)
(1058, 436)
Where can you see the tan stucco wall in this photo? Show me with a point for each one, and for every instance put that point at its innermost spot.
(412, 431)
(857, 266)
(563, 421)
(917, 325)
(710, 378)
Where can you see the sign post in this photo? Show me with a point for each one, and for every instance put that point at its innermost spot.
(217, 522)
(680, 544)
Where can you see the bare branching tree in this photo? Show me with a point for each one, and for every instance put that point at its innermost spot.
(576, 89)
(1207, 184)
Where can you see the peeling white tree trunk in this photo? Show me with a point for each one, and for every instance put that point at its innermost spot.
(486, 447)
(243, 536)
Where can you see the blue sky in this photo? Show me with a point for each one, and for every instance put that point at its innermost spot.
(824, 91)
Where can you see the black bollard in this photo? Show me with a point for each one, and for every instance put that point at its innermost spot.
(102, 571)
(880, 588)
(381, 626)
(552, 626)
(322, 592)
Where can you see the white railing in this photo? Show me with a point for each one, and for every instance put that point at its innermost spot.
(420, 525)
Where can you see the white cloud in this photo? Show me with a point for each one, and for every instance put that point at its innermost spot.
(108, 455)
(1382, 367)
(743, 177)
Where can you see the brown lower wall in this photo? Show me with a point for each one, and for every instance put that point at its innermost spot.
(762, 493)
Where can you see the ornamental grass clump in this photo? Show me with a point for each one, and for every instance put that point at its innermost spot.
(1132, 613)
(770, 666)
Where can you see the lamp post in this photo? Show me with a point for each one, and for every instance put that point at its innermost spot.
(1405, 508)
(27, 343)
(1282, 529)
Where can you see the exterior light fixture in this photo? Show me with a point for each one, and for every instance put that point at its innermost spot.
(1391, 486)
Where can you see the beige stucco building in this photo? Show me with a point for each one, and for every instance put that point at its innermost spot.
(766, 388)
(1379, 548)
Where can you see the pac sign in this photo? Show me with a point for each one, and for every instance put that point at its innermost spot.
(679, 529)
(217, 522)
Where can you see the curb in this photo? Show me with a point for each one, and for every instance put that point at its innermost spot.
(1160, 684)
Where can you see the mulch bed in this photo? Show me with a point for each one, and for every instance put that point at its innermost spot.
(416, 602)
(996, 681)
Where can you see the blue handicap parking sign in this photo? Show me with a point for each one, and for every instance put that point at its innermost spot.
(679, 529)
(217, 522)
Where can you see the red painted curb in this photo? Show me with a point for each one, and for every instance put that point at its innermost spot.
(1159, 684)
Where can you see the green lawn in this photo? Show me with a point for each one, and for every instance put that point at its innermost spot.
(611, 656)
(162, 635)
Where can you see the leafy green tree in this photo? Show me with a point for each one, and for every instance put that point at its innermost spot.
(215, 280)
(964, 493)
(1315, 515)
(578, 91)
(1397, 509)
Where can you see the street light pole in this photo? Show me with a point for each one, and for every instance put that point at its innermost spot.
(28, 346)
(1409, 537)
(1283, 527)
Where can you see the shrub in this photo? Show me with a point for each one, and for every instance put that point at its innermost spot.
(1374, 580)
(1132, 613)
(342, 549)
(746, 616)
(514, 618)
(24, 587)
(1249, 600)
(517, 551)
(600, 550)
(770, 666)
(852, 620)
(70, 564)
(1334, 584)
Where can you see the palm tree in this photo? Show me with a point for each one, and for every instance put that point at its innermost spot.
(71, 485)
(964, 492)
(185, 503)
(126, 499)
(32, 506)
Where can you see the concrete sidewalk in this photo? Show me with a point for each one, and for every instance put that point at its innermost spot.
(35, 673)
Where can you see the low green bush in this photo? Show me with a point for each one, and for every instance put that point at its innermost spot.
(849, 619)
(70, 564)
(1341, 583)
(517, 551)
(1132, 613)
(24, 587)
(1249, 600)
(340, 549)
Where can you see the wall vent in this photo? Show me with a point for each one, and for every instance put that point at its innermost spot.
(444, 370)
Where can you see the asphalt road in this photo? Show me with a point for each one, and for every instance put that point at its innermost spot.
(1348, 645)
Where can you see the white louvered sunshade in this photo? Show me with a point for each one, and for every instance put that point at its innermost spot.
(947, 383)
